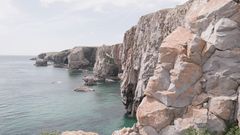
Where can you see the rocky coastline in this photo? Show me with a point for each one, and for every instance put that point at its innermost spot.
(179, 68)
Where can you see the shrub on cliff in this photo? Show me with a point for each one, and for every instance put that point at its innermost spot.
(234, 130)
(192, 131)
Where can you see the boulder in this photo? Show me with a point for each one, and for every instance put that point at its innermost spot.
(224, 35)
(153, 113)
(89, 80)
(223, 107)
(147, 130)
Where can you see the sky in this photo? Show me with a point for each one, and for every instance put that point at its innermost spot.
(29, 27)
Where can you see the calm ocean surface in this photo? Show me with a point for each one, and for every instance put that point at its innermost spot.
(41, 99)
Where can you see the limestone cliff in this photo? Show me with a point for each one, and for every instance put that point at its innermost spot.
(108, 61)
(193, 63)
(141, 50)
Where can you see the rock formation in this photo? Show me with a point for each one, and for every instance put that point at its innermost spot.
(83, 89)
(76, 58)
(185, 65)
(108, 61)
(82, 57)
(141, 51)
(181, 68)
(41, 63)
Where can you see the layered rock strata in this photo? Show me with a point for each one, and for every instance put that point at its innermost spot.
(195, 78)
(141, 51)
(108, 61)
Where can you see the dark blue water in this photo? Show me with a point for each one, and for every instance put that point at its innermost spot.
(41, 99)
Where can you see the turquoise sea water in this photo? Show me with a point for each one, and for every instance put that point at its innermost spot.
(41, 99)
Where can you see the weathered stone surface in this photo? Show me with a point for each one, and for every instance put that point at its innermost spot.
(224, 35)
(125, 131)
(196, 118)
(223, 107)
(141, 50)
(78, 133)
(60, 59)
(82, 57)
(195, 49)
(108, 61)
(90, 80)
(222, 72)
(147, 130)
(153, 113)
(204, 12)
(176, 84)
(200, 99)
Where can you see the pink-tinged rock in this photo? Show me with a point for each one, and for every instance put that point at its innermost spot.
(159, 82)
(200, 99)
(195, 49)
(223, 107)
(203, 12)
(125, 131)
(147, 130)
(153, 113)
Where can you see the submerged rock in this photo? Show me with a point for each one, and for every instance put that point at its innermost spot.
(83, 89)
(78, 133)
(90, 80)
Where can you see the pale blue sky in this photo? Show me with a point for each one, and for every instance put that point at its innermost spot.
(29, 27)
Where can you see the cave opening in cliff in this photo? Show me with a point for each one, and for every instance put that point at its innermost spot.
(65, 61)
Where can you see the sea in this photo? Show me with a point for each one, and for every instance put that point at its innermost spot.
(39, 100)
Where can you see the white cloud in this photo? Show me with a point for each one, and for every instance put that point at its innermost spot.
(7, 9)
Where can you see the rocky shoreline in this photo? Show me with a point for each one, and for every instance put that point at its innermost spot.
(179, 68)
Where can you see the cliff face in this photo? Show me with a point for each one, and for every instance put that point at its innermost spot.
(82, 57)
(192, 56)
(108, 61)
(76, 58)
(141, 51)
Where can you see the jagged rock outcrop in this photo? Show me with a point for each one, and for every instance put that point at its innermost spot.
(187, 76)
(60, 59)
(108, 61)
(141, 51)
(82, 57)
(74, 59)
